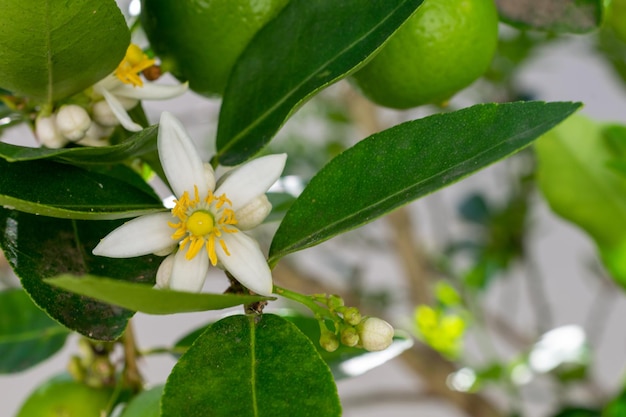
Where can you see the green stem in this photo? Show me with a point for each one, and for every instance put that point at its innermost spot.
(306, 300)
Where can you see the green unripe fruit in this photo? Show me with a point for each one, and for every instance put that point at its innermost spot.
(200, 40)
(444, 47)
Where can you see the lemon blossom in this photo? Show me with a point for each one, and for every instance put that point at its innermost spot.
(203, 228)
(122, 89)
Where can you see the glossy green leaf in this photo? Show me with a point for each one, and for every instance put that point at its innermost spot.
(561, 16)
(146, 404)
(27, 335)
(249, 366)
(574, 177)
(52, 49)
(408, 161)
(60, 190)
(139, 144)
(308, 46)
(144, 298)
(39, 247)
(344, 362)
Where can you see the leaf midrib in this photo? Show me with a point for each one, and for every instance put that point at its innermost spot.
(304, 81)
(304, 243)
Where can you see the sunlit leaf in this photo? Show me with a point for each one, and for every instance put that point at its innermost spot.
(574, 177)
(52, 49)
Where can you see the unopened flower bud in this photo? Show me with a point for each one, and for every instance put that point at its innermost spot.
(253, 214)
(352, 316)
(329, 341)
(103, 114)
(48, 133)
(73, 121)
(164, 273)
(376, 334)
(334, 302)
(349, 337)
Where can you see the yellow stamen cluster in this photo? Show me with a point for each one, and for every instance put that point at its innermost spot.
(202, 222)
(133, 63)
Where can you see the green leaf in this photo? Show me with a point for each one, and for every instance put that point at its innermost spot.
(575, 178)
(344, 362)
(560, 16)
(65, 191)
(146, 404)
(53, 49)
(39, 247)
(27, 335)
(250, 366)
(408, 161)
(144, 298)
(308, 46)
(139, 144)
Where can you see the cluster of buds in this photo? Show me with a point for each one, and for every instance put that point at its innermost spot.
(109, 101)
(350, 328)
(70, 123)
(92, 366)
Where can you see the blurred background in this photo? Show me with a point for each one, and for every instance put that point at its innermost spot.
(540, 331)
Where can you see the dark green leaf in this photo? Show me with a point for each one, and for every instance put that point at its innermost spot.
(39, 247)
(59, 190)
(344, 362)
(308, 46)
(248, 366)
(52, 49)
(144, 298)
(146, 404)
(408, 161)
(139, 144)
(578, 412)
(27, 335)
(566, 16)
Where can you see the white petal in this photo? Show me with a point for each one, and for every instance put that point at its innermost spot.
(246, 262)
(118, 110)
(179, 157)
(108, 83)
(252, 179)
(151, 91)
(164, 273)
(189, 275)
(141, 236)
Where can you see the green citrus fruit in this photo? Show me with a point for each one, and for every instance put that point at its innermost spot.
(200, 40)
(444, 47)
(64, 397)
(616, 17)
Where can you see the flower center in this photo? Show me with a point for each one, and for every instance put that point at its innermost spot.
(202, 223)
(133, 63)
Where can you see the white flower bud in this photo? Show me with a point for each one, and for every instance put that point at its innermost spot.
(48, 133)
(73, 121)
(97, 135)
(164, 273)
(103, 114)
(376, 334)
(253, 214)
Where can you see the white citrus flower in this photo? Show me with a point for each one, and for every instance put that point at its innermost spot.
(203, 228)
(122, 90)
